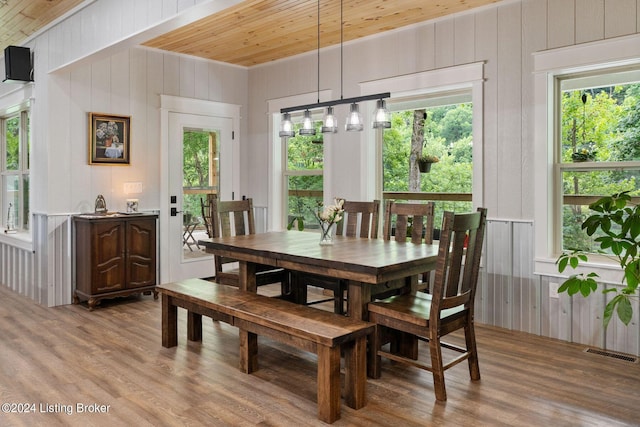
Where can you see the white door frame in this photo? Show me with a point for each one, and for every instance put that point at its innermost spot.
(174, 104)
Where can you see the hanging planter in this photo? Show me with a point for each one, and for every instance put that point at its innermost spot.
(424, 166)
(425, 162)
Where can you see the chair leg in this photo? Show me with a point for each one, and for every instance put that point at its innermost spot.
(438, 370)
(470, 338)
(375, 361)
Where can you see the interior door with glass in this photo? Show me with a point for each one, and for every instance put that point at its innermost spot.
(200, 159)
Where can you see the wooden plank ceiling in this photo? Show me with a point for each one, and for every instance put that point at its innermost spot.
(253, 31)
(21, 18)
(257, 31)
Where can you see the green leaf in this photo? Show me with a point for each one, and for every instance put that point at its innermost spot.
(574, 262)
(625, 312)
(562, 263)
(608, 311)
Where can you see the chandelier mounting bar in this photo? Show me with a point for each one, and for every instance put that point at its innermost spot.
(336, 102)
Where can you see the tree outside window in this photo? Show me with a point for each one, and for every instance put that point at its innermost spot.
(446, 134)
(303, 177)
(600, 146)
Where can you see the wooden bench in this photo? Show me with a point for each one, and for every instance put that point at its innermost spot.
(321, 332)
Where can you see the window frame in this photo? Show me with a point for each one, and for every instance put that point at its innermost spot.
(21, 173)
(425, 84)
(549, 66)
(296, 117)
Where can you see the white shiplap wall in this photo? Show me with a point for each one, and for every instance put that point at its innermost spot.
(112, 77)
(126, 81)
(503, 36)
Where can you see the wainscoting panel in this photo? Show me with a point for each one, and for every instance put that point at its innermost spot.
(526, 292)
(43, 274)
(496, 291)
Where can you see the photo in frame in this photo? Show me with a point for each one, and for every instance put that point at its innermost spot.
(109, 139)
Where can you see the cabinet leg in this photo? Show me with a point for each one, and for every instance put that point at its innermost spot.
(76, 300)
(92, 303)
(155, 294)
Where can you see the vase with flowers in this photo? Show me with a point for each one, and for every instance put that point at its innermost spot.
(107, 133)
(328, 217)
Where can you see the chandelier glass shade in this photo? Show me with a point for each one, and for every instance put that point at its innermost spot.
(330, 122)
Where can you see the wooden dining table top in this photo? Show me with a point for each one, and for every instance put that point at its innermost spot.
(371, 261)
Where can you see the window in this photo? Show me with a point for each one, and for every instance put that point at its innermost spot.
(303, 175)
(15, 145)
(601, 64)
(446, 120)
(598, 118)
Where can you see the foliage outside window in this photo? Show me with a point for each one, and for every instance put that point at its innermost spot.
(303, 176)
(447, 136)
(199, 169)
(600, 146)
(15, 171)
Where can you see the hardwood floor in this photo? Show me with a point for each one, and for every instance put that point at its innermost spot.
(57, 358)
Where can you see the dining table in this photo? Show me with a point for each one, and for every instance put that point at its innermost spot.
(369, 265)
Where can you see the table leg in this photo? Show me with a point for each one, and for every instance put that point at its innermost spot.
(248, 351)
(359, 296)
(355, 361)
(247, 276)
(328, 383)
(169, 322)
(194, 326)
(248, 340)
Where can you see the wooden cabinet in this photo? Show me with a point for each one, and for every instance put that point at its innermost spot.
(115, 256)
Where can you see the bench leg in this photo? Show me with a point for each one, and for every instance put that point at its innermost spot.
(328, 383)
(169, 322)
(248, 352)
(194, 326)
(355, 358)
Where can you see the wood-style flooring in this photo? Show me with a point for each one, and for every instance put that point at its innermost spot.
(54, 359)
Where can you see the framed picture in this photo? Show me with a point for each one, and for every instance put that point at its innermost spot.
(109, 139)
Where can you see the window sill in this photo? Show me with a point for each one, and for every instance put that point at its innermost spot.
(21, 240)
(609, 272)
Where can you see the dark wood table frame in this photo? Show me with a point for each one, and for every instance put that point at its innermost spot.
(365, 263)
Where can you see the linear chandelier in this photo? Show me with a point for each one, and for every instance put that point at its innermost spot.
(354, 123)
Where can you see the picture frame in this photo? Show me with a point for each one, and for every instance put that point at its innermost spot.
(109, 139)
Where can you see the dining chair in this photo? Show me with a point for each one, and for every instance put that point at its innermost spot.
(233, 218)
(361, 219)
(449, 307)
(206, 209)
(407, 222)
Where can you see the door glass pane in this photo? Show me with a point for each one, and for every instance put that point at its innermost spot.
(201, 171)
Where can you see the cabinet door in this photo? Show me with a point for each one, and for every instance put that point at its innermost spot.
(109, 256)
(141, 256)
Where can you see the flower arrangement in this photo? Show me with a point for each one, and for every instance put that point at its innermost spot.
(108, 130)
(327, 217)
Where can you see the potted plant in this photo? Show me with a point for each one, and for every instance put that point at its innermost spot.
(425, 161)
(618, 224)
(585, 154)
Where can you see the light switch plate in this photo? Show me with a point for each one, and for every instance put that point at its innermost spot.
(132, 187)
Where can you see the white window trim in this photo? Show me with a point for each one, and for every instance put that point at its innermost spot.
(276, 167)
(12, 102)
(469, 76)
(547, 66)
